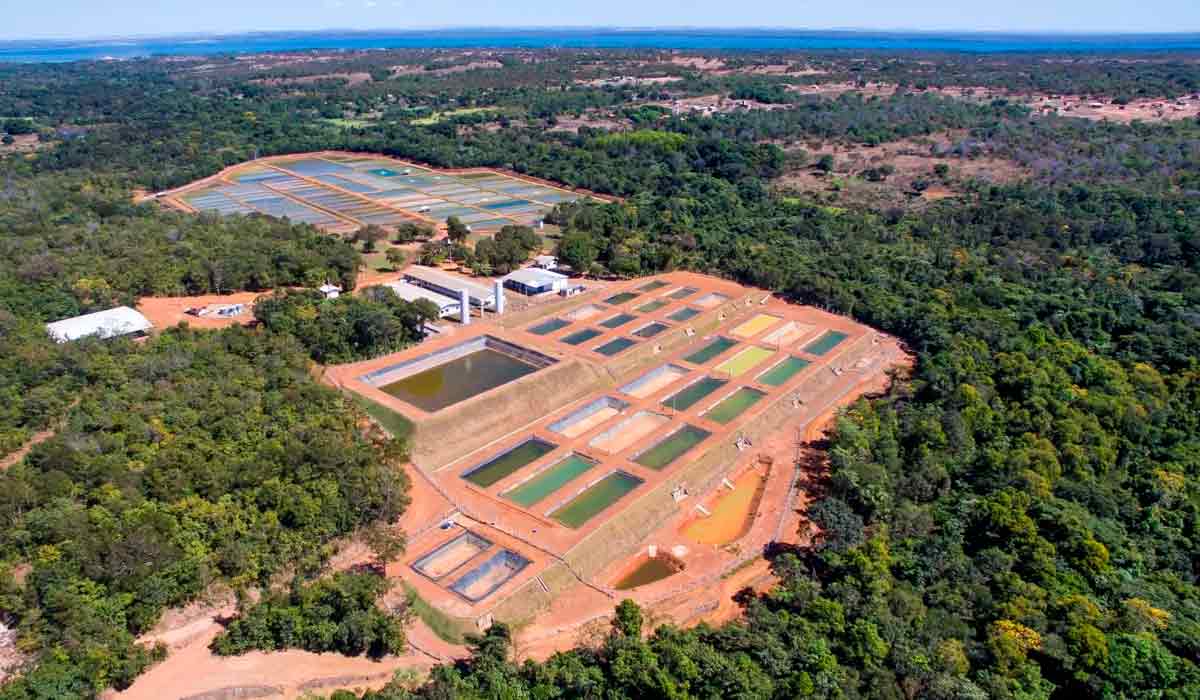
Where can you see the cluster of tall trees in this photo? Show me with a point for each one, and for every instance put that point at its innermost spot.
(194, 458)
(346, 328)
(338, 613)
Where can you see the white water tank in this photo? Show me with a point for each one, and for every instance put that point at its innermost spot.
(499, 292)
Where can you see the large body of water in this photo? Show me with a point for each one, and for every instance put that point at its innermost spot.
(732, 39)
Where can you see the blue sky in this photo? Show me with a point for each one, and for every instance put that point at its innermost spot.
(92, 18)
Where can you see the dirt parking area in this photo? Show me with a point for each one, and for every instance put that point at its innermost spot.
(166, 312)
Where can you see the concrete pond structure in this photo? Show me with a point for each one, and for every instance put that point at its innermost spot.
(576, 438)
(341, 192)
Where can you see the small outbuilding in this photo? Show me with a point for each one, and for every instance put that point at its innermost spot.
(546, 262)
(111, 323)
(532, 281)
(331, 291)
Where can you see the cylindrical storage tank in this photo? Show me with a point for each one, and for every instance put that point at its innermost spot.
(499, 292)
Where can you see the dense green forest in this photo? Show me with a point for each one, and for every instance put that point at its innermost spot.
(1014, 521)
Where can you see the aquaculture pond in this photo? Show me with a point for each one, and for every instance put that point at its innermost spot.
(710, 351)
(754, 326)
(548, 327)
(672, 447)
(550, 480)
(618, 320)
(595, 498)
(451, 555)
(684, 314)
(734, 405)
(484, 579)
(622, 298)
(825, 343)
(461, 378)
(508, 462)
(615, 346)
(689, 395)
(744, 361)
(580, 337)
(651, 570)
(651, 329)
(651, 307)
(783, 371)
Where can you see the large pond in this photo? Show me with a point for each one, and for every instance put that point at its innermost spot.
(461, 378)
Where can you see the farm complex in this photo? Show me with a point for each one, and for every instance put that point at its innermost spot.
(612, 444)
(342, 192)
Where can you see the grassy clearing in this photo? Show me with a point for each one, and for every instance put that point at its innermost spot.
(445, 627)
(439, 116)
(348, 123)
(394, 423)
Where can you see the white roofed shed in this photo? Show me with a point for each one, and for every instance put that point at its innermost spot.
(110, 323)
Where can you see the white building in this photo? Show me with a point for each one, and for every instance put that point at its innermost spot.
(532, 280)
(450, 285)
(546, 262)
(104, 324)
(410, 292)
(331, 291)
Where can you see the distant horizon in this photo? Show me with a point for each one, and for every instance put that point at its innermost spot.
(86, 20)
(901, 31)
(696, 39)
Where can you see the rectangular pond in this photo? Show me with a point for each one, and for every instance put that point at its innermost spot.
(550, 480)
(651, 286)
(584, 312)
(744, 361)
(629, 431)
(825, 343)
(712, 299)
(581, 337)
(548, 327)
(734, 405)
(683, 292)
(445, 377)
(622, 298)
(779, 374)
(595, 499)
(508, 462)
(787, 334)
(692, 393)
(615, 346)
(483, 580)
(652, 306)
(708, 352)
(685, 314)
(754, 326)
(617, 321)
(584, 419)
(672, 447)
(651, 329)
(451, 555)
(655, 379)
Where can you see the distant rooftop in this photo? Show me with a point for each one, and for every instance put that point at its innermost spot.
(534, 277)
